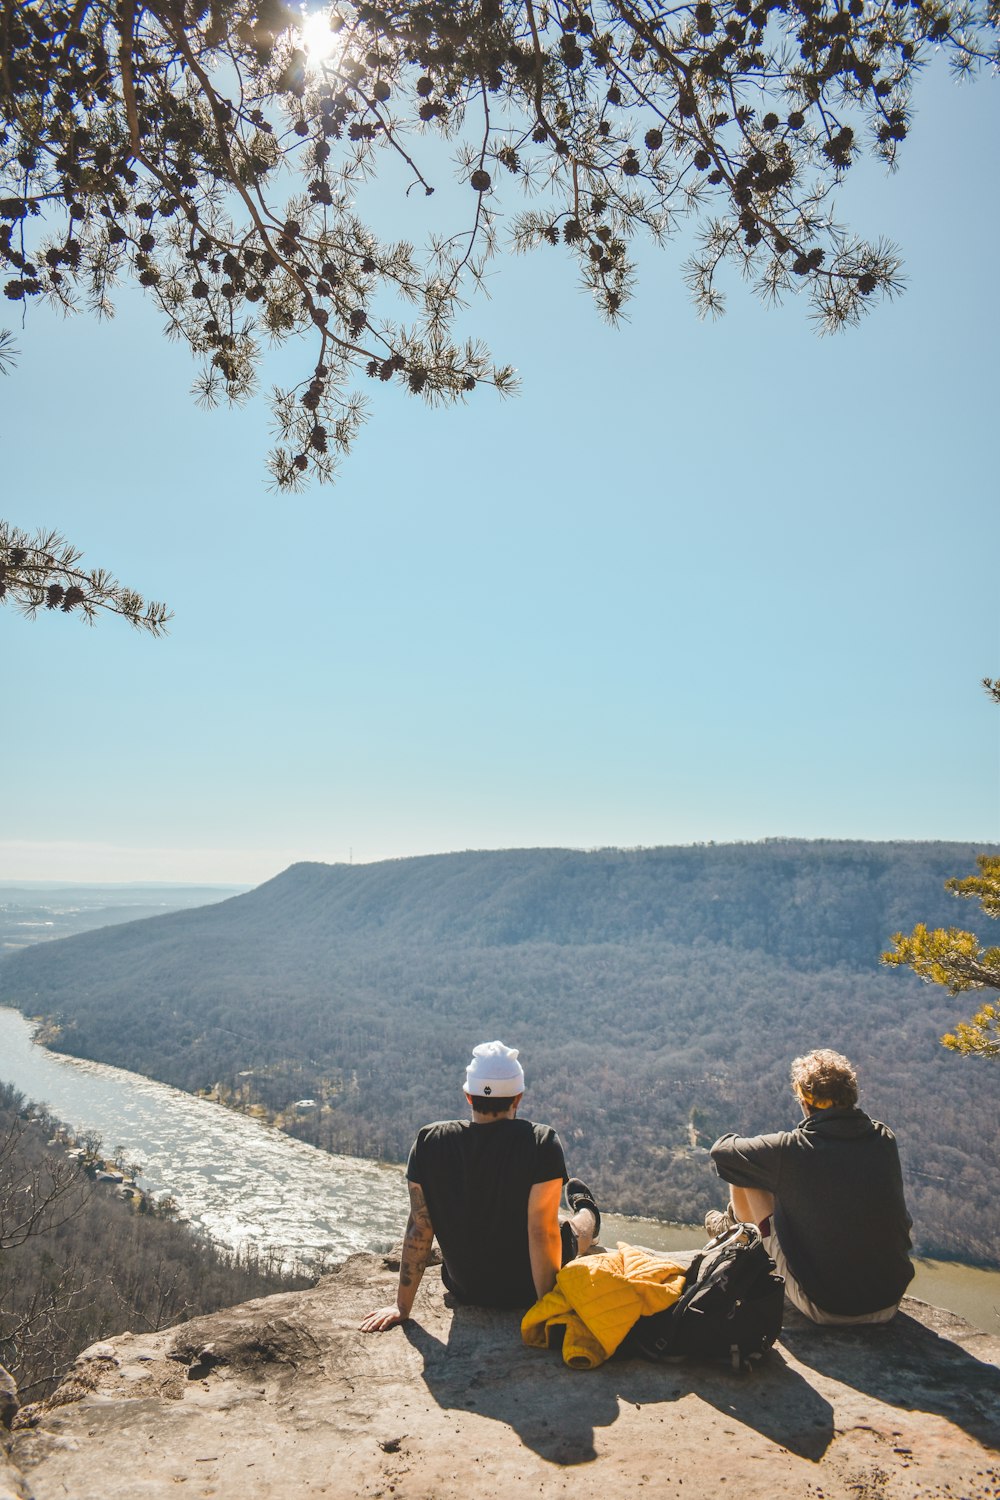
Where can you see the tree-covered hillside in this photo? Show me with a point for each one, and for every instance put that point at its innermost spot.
(77, 1263)
(657, 996)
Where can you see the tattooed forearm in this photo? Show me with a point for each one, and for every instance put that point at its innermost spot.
(417, 1241)
(420, 1216)
(413, 1258)
(416, 1249)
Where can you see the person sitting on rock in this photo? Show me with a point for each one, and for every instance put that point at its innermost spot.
(490, 1189)
(828, 1197)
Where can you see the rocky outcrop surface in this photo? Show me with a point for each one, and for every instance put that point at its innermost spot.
(285, 1397)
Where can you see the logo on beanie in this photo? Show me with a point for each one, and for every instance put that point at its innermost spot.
(487, 1090)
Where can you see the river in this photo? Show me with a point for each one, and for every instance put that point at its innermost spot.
(239, 1181)
(233, 1178)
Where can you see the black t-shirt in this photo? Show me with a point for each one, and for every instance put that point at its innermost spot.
(476, 1180)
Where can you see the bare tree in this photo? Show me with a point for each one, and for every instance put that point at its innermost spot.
(38, 1192)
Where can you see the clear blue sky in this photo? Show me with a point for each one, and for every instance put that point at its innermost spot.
(699, 581)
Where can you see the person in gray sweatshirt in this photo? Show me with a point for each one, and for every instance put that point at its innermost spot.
(828, 1197)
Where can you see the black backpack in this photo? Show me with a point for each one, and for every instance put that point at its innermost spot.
(731, 1306)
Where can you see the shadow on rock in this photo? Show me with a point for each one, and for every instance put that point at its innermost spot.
(466, 1374)
(555, 1411)
(773, 1399)
(907, 1365)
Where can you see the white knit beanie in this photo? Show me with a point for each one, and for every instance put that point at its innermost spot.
(494, 1070)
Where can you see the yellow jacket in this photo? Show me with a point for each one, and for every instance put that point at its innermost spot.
(597, 1299)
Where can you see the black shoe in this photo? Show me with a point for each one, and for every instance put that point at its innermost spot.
(578, 1195)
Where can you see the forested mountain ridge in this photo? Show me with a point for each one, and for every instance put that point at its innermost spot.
(657, 995)
(818, 902)
(678, 895)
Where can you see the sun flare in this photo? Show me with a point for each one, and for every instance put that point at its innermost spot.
(319, 42)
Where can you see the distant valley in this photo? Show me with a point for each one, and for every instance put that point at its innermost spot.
(34, 912)
(657, 995)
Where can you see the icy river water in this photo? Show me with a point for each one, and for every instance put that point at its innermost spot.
(239, 1181)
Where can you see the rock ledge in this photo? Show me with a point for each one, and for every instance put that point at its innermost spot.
(285, 1397)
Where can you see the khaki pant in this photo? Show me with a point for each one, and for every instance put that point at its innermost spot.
(798, 1298)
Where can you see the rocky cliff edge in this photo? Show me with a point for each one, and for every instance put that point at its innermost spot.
(284, 1397)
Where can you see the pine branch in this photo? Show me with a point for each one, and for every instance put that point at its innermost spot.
(42, 571)
(205, 154)
(8, 351)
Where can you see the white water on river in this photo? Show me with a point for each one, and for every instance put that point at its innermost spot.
(242, 1182)
(236, 1180)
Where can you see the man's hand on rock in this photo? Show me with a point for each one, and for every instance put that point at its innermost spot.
(385, 1317)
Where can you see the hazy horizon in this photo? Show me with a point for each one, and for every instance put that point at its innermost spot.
(8, 882)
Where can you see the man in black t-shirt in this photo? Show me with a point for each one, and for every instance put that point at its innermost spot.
(828, 1196)
(489, 1188)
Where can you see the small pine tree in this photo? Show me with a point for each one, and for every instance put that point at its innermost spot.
(956, 959)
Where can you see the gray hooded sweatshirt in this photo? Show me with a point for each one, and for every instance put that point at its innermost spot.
(840, 1214)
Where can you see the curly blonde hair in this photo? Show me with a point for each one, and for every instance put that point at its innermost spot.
(825, 1079)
